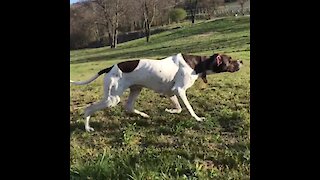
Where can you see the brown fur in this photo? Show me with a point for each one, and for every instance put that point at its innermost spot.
(198, 64)
(128, 66)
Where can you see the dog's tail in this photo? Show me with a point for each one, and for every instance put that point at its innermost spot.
(92, 78)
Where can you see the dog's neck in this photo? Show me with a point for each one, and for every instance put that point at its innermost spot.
(200, 64)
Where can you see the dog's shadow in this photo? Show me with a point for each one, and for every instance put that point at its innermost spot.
(154, 123)
(79, 126)
(171, 125)
(100, 126)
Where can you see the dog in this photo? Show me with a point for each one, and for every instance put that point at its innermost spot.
(170, 77)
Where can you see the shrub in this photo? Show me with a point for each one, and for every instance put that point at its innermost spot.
(178, 14)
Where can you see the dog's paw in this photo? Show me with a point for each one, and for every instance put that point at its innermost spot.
(200, 119)
(173, 110)
(144, 115)
(141, 113)
(89, 129)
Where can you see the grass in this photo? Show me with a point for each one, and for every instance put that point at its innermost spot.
(166, 146)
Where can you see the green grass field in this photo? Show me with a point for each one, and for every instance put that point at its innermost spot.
(166, 146)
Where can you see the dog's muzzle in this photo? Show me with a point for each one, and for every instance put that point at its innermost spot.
(237, 65)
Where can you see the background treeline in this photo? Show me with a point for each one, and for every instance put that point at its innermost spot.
(96, 23)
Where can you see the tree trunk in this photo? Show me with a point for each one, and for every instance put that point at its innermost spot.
(148, 34)
(115, 27)
(110, 39)
(132, 24)
(147, 31)
(242, 9)
(148, 19)
(193, 11)
(115, 38)
(192, 18)
(193, 14)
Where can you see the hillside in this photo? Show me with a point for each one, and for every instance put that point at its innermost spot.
(166, 146)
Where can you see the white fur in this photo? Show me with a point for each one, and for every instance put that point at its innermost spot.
(240, 65)
(85, 82)
(177, 107)
(171, 76)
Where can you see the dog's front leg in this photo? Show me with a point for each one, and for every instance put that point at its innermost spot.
(182, 94)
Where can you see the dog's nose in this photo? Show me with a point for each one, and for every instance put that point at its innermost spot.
(240, 61)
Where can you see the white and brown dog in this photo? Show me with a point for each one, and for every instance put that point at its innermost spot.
(171, 77)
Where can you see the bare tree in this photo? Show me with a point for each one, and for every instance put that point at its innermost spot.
(210, 6)
(149, 12)
(108, 14)
(81, 26)
(105, 19)
(191, 6)
(131, 18)
(152, 9)
(242, 2)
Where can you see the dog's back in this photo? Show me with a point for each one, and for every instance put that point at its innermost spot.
(157, 75)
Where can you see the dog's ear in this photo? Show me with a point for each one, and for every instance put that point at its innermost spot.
(219, 60)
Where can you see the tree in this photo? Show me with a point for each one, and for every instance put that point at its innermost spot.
(151, 9)
(191, 6)
(100, 20)
(132, 20)
(108, 14)
(242, 2)
(149, 12)
(210, 6)
(81, 26)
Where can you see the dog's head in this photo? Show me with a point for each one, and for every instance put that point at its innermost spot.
(224, 63)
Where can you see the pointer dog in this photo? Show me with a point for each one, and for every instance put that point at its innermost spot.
(170, 76)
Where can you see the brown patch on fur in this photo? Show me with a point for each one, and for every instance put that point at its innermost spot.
(193, 60)
(128, 66)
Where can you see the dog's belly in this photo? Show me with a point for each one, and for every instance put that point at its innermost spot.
(157, 75)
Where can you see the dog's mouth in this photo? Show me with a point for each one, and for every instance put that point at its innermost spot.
(234, 70)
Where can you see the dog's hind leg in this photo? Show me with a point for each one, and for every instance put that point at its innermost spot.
(134, 93)
(177, 107)
(112, 92)
(106, 102)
